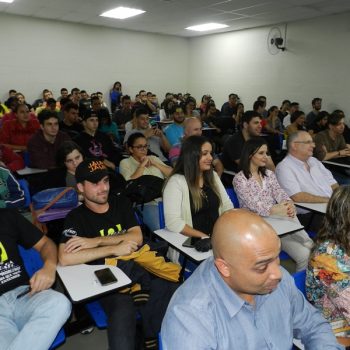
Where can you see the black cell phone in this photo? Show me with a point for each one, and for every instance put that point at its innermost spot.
(190, 242)
(105, 276)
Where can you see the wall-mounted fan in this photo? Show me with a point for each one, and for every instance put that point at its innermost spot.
(275, 41)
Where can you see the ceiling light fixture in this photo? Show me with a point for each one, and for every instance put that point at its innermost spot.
(207, 26)
(8, 1)
(122, 13)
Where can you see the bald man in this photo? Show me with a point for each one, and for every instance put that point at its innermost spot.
(241, 299)
(193, 126)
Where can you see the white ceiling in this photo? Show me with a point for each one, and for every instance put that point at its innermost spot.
(172, 16)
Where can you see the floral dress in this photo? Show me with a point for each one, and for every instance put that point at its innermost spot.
(328, 285)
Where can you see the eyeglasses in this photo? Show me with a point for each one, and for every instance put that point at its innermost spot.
(139, 147)
(310, 142)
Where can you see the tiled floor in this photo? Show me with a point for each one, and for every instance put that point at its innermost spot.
(97, 340)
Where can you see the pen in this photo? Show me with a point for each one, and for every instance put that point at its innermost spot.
(26, 291)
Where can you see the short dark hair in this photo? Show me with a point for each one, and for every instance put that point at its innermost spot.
(133, 137)
(258, 104)
(140, 111)
(249, 115)
(125, 97)
(64, 89)
(12, 91)
(293, 104)
(74, 90)
(334, 118)
(64, 101)
(51, 101)
(233, 95)
(249, 149)
(70, 105)
(46, 114)
(316, 99)
(94, 98)
(261, 98)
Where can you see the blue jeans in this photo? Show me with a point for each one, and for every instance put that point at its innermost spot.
(31, 322)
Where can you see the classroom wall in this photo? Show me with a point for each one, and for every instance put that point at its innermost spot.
(38, 54)
(315, 64)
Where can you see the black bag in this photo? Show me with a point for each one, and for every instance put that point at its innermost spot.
(144, 189)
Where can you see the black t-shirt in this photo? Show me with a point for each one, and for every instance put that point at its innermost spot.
(232, 151)
(85, 223)
(228, 110)
(204, 219)
(72, 130)
(15, 229)
(99, 146)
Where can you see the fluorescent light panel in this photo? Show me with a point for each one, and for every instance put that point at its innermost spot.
(207, 26)
(8, 1)
(122, 13)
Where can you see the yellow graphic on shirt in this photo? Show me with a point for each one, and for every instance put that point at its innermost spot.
(3, 254)
(111, 231)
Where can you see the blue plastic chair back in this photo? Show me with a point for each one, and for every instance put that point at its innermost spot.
(25, 188)
(32, 263)
(161, 215)
(233, 196)
(299, 280)
(160, 345)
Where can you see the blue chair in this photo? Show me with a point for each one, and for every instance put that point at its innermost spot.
(97, 313)
(188, 266)
(161, 215)
(25, 188)
(160, 345)
(233, 196)
(299, 280)
(32, 263)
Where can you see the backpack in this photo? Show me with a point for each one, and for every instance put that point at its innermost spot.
(144, 189)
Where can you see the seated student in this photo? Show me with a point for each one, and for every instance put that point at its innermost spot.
(327, 278)
(124, 114)
(192, 127)
(194, 196)
(273, 123)
(10, 159)
(107, 126)
(155, 136)
(258, 190)
(16, 133)
(11, 115)
(251, 127)
(11, 195)
(28, 320)
(330, 144)
(320, 123)
(241, 298)
(102, 229)
(139, 163)
(175, 131)
(297, 122)
(96, 144)
(189, 108)
(43, 145)
(70, 123)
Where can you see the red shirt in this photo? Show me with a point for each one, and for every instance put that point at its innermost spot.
(12, 160)
(13, 133)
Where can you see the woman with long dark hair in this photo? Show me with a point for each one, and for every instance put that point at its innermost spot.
(194, 196)
(259, 191)
(328, 273)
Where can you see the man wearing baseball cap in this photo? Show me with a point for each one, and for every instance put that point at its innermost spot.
(104, 227)
(95, 143)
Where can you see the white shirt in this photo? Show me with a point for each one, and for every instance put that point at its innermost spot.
(294, 177)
